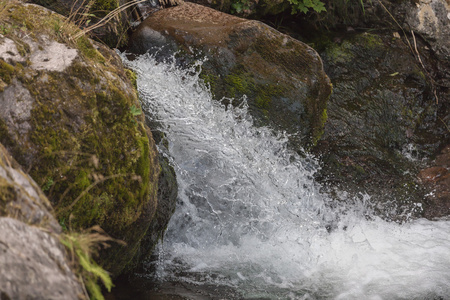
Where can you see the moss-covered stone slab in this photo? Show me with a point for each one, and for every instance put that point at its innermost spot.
(283, 78)
(71, 116)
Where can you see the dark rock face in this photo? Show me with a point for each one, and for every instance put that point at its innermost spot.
(33, 261)
(71, 116)
(282, 77)
(385, 119)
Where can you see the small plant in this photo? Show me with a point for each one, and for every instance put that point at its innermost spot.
(62, 223)
(48, 184)
(135, 111)
(4, 29)
(240, 6)
(82, 246)
(305, 5)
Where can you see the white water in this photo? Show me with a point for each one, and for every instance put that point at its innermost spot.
(251, 217)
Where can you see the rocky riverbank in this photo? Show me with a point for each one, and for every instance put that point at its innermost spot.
(77, 150)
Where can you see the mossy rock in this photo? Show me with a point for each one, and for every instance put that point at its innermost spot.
(71, 117)
(283, 78)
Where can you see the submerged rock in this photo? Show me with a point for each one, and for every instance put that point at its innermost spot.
(71, 116)
(282, 77)
(33, 262)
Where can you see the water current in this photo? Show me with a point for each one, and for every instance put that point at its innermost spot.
(250, 216)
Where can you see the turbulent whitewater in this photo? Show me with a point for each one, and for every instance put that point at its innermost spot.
(250, 216)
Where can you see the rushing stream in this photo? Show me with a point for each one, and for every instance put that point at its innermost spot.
(250, 216)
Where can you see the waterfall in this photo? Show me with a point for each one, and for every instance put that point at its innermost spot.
(250, 216)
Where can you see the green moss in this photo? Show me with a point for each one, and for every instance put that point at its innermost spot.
(143, 165)
(319, 130)
(340, 53)
(239, 84)
(132, 77)
(48, 184)
(324, 117)
(369, 40)
(210, 79)
(88, 50)
(110, 135)
(6, 72)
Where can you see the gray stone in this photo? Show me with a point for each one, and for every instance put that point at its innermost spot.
(431, 20)
(53, 57)
(16, 103)
(34, 264)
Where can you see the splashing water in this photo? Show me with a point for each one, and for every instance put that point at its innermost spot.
(251, 217)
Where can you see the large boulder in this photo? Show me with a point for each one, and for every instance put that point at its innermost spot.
(386, 118)
(282, 77)
(70, 115)
(34, 263)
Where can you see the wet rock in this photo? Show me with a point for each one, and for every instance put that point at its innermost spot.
(432, 175)
(282, 77)
(33, 261)
(70, 115)
(386, 118)
(436, 180)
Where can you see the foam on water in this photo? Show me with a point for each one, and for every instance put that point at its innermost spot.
(251, 216)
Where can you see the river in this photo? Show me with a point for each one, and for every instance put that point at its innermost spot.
(251, 219)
